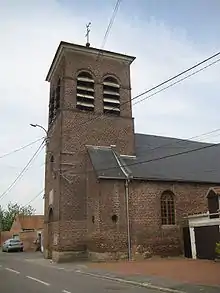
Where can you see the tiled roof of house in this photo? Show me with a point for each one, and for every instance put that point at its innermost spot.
(34, 222)
(159, 158)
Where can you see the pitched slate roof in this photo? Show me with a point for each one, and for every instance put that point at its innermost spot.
(105, 162)
(157, 159)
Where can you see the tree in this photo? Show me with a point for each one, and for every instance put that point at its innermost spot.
(7, 215)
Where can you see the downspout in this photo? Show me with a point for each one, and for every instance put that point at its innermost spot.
(128, 217)
(127, 181)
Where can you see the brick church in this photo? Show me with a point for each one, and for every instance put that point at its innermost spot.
(111, 192)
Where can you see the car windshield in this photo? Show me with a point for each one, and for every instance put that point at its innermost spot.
(15, 241)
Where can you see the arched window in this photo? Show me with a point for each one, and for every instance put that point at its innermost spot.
(167, 208)
(85, 91)
(213, 203)
(111, 96)
(50, 215)
(52, 159)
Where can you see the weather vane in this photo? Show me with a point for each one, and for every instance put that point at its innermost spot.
(87, 34)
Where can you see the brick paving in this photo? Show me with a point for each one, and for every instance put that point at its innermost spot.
(190, 271)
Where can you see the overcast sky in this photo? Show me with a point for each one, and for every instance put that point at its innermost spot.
(166, 36)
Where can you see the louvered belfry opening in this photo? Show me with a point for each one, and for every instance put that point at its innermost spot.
(52, 107)
(111, 96)
(85, 91)
(57, 99)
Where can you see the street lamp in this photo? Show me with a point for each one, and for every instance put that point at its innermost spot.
(40, 126)
(37, 125)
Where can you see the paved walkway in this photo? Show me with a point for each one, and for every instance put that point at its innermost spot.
(180, 274)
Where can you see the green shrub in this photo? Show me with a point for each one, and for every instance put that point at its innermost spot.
(217, 249)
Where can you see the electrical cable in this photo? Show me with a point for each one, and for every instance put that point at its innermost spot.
(165, 82)
(35, 197)
(110, 24)
(25, 169)
(21, 148)
(178, 81)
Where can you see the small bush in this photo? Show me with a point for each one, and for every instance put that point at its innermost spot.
(217, 249)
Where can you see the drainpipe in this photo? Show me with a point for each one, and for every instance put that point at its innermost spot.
(128, 217)
(127, 181)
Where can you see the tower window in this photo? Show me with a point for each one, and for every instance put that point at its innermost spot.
(114, 218)
(111, 96)
(51, 107)
(57, 98)
(85, 92)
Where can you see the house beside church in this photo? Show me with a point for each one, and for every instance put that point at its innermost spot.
(26, 228)
(111, 192)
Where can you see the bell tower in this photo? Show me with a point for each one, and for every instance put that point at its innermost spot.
(90, 104)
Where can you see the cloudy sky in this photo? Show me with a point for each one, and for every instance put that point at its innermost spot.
(166, 36)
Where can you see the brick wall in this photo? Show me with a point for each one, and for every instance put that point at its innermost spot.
(145, 213)
(28, 238)
(16, 226)
(70, 133)
(104, 200)
(147, 234)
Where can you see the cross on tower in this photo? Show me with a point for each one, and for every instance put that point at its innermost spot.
(87, 34)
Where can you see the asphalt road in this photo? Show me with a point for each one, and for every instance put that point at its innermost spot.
(21, 272)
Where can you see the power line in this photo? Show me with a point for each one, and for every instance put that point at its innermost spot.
(108, 28)
(20, 175)
(35, 197)
(178, 75)
(201, 69)
(165, 82)
(110, 23)
(176, 82)
(177, 154)
(21, 148)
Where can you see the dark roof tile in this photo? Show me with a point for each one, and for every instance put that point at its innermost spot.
(152, 160)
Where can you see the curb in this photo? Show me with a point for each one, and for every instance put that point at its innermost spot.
(134, 283)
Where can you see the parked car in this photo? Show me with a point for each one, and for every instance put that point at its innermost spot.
(12, 245)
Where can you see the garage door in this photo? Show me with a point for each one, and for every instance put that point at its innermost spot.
(206, 238)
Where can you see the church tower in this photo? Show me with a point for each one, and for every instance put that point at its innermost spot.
(90, 104)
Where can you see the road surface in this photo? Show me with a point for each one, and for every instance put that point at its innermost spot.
(26, 273)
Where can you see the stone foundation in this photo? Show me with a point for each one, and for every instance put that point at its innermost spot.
(69, 256)
(107, 256)
(46, 253)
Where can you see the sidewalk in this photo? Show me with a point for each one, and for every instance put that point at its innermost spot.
(164, 275)
(184, 275)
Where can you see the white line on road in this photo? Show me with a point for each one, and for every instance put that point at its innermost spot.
(65, 291)
(13, 271)
(39, 281)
